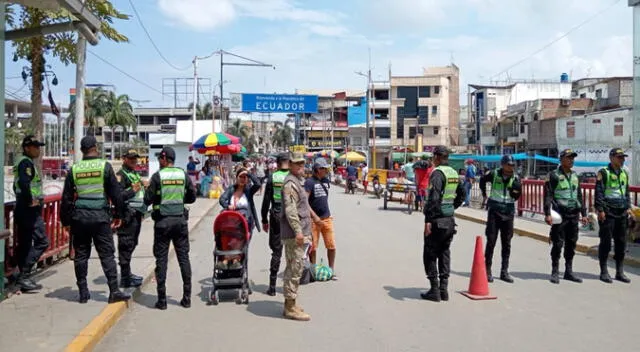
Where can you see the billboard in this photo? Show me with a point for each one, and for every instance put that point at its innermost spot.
(357, 114)
(274, 103)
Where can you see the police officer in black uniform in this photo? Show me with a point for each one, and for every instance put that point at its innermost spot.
(445, 194)
(27, 186)
(505, 192)
(563, 194)
(129, 232)
(271, 219)
(612, 204)
(169, 190)
(85, 209)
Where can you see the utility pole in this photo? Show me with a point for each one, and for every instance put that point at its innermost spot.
(333, 126)
(78, 123)
(635, 176)
(223, 122)
(195, 100)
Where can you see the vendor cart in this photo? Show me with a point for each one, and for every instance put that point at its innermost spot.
(408, 190)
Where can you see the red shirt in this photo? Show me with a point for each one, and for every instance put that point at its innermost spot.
(422, 177)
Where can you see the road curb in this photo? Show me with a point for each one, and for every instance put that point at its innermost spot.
(89, 337)
(588, 250)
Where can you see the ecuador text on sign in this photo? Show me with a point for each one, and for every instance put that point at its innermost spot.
(279, 103)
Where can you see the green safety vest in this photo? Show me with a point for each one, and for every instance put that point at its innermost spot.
(499, 198)
(278, 181)
(88, 176)
(566, 192)
(35, 186)
(449, 193)
(615, 189)
(137, 202)
(172, 190)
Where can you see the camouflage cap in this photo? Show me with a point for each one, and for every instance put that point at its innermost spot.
(297, 158)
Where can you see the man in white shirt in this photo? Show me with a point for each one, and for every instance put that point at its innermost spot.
(365, 173)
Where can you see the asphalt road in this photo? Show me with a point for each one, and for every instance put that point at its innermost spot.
(375, 306)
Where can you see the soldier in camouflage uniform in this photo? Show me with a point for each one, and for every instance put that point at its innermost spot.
(295, 230)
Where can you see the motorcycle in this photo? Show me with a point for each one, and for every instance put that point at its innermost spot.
(351, 185)
(377, 188)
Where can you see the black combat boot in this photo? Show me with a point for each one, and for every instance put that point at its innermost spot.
(434, 293)
(568, 272)
(504, 272)
(26, 284)
(84, 294)
(127, 279)
(444, 294)
(555, 272)
(162, 298)
(115, 295)
(620, 276)
(271, 291)
(186, 296)
(604, 273)
(489, 274)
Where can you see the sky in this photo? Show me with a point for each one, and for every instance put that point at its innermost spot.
(320, 44)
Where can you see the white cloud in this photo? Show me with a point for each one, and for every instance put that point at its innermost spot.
(211, 14)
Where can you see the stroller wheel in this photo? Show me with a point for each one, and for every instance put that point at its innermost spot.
(240, 297)
(245, 298)
(215, 298)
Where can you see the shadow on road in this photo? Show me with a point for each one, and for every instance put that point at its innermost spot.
(524, 275)
(268, 309)
(461, 273)
(149, 300)
(404, 293)
(70, 294)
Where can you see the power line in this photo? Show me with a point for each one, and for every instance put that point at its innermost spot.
(135, 11)
(126, 74)
(589, 19)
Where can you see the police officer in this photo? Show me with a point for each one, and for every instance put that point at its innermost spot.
(129, 232)
(32, 239)
(445, 194)
(295, 229)
(85, 209)
(271, 219)
(612, 204)
(505, 191)
(169, 190)
(563, 194)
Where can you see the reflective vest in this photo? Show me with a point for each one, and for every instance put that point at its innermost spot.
(88, 176)
(499, 198)
(278, 181)
(615, 188)
(172, 190)
(137, 202)
(449, 192)
(566, 192)
(35, 186)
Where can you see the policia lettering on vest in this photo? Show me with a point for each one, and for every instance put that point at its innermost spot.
(86, 211)
(129, 232)
(169, 190)
(562, 193)
(32, 239)
(505, 192)
(445, 194)
(271, 211)
(612, 204)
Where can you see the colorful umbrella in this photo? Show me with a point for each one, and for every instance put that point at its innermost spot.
(328, 154)
(352, 156)
(222, 149)
(310, 155)
(213, 140)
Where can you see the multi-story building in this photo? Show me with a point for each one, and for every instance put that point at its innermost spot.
(488, 102)
(426, 106)
(608, 93)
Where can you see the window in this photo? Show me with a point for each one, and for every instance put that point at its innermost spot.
(535, 117)
(598, 93)
(381, 132)
(436, 89)
(423, 115)
(596, 121)
(410, 95)
(521, 128)
(618, 127)
(424, 91)
(436, 130)
(583, 95)
(400, 122)
(413, 130)
(434, 110)
(381, 94)
(571, 129)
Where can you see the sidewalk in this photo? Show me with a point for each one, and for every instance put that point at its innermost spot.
(51, 319)
(536, 229)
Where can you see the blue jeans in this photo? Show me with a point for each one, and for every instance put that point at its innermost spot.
(467, 189)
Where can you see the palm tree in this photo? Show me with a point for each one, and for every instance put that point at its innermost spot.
(119, 113)
(282, 137)
(95, 107)
(239, 129)
(203, 112)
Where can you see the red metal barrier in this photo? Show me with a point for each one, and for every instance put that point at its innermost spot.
(532, 199)
(58, 238)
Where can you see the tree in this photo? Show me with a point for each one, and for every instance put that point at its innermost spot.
(283, 136)
(119, 113)
(59, 45)
(203, 112)
(95, 107)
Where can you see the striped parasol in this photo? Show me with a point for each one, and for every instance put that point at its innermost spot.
(213, 140)
(222, 149)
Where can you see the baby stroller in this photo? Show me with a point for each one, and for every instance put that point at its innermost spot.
(231, 235)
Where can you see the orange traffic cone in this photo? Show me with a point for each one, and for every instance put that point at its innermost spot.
(478, 285)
